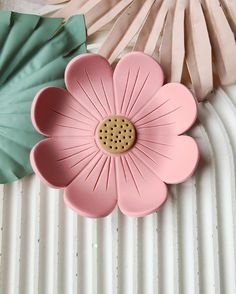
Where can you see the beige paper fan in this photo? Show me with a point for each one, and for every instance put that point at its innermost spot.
(194, 40)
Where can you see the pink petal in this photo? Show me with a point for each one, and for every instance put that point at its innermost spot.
(93, 193)
(56, 113)
(172, 110)
(140, 191)
(137, 77)
(172, 158)
(88, 78)
(58, 161)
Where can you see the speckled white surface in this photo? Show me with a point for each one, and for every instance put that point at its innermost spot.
(188, 247)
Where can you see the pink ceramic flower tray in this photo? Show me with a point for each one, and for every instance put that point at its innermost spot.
(114, 138)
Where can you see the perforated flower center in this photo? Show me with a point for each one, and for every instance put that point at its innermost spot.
(116, 134)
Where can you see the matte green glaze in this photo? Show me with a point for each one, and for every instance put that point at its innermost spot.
(34, 52)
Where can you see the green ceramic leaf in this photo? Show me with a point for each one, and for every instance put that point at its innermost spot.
(34, 52)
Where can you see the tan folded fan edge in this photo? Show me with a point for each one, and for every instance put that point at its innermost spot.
(202, 60)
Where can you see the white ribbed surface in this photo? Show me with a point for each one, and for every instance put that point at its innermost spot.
(187, 247)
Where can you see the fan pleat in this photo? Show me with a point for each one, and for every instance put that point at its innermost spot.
(125, 28)
(198, 50)
(194, 40)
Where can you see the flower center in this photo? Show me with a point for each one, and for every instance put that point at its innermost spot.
(116, 134)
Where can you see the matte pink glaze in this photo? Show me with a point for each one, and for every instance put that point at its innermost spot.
(94, 180)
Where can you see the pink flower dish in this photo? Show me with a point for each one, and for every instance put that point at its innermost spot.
(114, 138)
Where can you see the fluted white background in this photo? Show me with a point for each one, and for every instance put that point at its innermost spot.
(187, 247)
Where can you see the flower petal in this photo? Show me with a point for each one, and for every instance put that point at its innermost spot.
(137, 77)
(56, 113)
(140, 191)
(88, 78)
(57, 161)
(172, 158)
(172, 110)
(93, 193)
